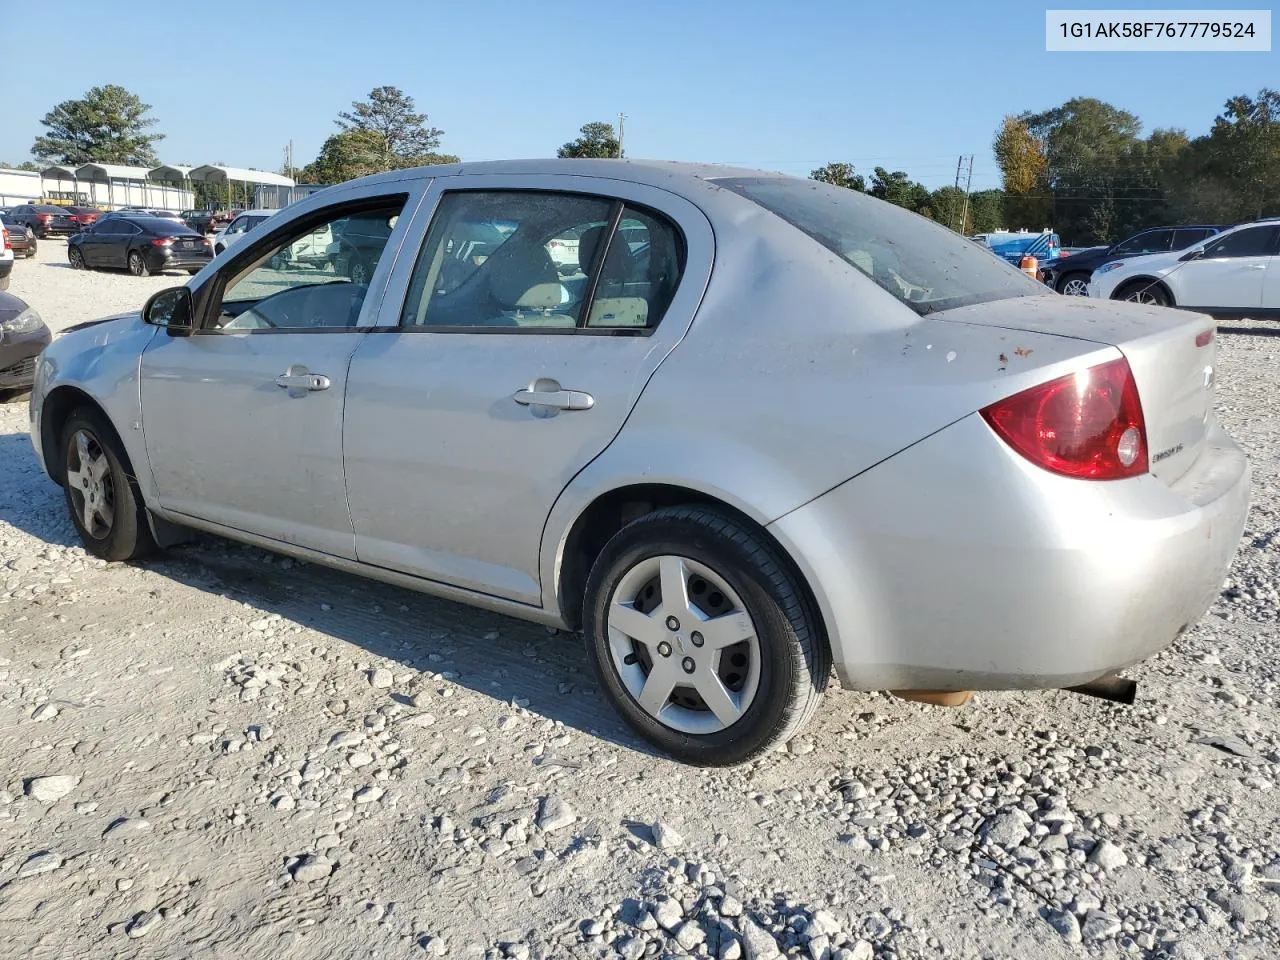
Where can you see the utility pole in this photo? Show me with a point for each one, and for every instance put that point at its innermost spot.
(951, 214)
(964, 210)
(622, 117)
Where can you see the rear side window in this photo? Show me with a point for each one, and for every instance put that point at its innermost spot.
(925, 265)
(1253, 242)
(1186, 237)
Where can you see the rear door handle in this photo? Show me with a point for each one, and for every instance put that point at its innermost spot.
(299, 381)
(549, 394)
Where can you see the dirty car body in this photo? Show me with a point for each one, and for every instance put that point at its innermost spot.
(868, 442)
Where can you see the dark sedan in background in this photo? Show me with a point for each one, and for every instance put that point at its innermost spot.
(84, 216)
(1070, 275)
(22, 336)
(141, 245)
(44, 219)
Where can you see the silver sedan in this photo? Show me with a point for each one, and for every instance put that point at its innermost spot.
(753, 429)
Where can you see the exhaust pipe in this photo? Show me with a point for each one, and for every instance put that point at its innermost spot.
(1109, 687)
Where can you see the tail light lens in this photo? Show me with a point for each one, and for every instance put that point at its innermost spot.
(44, 217)
(1087, 425)
(6, 240)
(162, 242)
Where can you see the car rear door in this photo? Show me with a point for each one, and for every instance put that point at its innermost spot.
(243, 419)
(1230, 274)
(494, 378)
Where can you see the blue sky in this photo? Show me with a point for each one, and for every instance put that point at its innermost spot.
(908, 85)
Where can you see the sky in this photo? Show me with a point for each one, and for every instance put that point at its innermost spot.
(789, 87)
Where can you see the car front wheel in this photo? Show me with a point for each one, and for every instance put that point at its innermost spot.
(106, 506)
(1074, 285)
(702, 638)
(1145, 291)
(76, 258)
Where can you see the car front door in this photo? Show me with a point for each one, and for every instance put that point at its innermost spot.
(243, 419)
(96, 240)
(1231, 271)
(503, 376)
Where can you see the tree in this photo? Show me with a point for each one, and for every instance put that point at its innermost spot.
(947, 206)
(346, 156)
(986, 211)
(597, 139)
(1024, 171)
(898, 188)
(108, 125)
(27, 165)
(1245, 151)
(840, 175)
(404, 140)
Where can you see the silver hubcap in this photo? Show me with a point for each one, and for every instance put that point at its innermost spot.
(684, 645)
(89, 482)
(1075, 288)
(358, 273)
(135, 262)
(1143, 296)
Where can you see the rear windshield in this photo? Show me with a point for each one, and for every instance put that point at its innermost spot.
(165, 228)
(925, 265)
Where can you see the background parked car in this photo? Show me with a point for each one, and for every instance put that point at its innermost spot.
(44, 219)
(22, 336)
(1233, 273)
(166, 214)
(19, 238)
(1070, 275)
(238, 227)
(141, 245)
(84, 216)
(198, 220)
(6, 261)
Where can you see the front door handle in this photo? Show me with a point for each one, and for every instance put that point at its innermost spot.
(1257, 266)
(549, 395)
(299, 381)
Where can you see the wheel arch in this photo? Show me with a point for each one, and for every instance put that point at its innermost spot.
(613, 509)
(1145, 281)
(57, 408)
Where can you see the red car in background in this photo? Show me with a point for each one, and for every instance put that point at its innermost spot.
(83, 216)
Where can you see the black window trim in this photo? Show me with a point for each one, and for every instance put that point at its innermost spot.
(1270, 249)
(620, 205)
(211, 291)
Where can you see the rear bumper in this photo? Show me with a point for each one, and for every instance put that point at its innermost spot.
(958, 565)
(179, 260)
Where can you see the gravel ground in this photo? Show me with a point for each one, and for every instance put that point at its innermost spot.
(226, 753)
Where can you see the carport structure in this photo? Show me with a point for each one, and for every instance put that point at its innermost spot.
(61, 183)
(113, 184)
(236, 182)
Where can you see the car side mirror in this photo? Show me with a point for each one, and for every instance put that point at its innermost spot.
(1191, 255)
(171, 308)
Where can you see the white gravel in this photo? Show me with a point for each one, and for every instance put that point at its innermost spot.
(63, 296)
(266, 759)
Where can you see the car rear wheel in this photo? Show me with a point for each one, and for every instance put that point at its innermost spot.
(358, 271)
(1145, 291)
(105, 503)
(76, 258)
(702, 638)
(138, 266)
(1074, 285)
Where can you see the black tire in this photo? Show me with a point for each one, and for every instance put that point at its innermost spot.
(1148, 292)
(138, 265)
(76, 259)
(192, 273)
(795, 658)
(4, 284)
(358, 272)
(1070, 278)
(218, 249)
(129, 535)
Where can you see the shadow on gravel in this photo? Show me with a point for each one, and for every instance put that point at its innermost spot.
(498, 656)
(1269, 331)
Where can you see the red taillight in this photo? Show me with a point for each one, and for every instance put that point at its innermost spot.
(1205, 338)
(1087, 425)
(44, 217)
(6, 240)
(162, 242)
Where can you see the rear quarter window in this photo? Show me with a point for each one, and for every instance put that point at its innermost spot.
(923, 264)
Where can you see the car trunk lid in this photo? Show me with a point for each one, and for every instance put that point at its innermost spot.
(1172, 355)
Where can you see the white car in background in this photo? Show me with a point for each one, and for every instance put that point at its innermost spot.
(1235, 272)
(237, 228)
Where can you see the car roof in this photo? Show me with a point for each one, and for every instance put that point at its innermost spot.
(656, 173)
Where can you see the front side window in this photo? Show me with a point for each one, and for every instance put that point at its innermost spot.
(1150, 241)
(1251, 242)
(311, 278)
(1190, 236)
(508, 259)
(923, 264)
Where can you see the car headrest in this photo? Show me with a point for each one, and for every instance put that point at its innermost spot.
(520, 275)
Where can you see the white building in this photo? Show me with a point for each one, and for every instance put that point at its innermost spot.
(19, 186)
